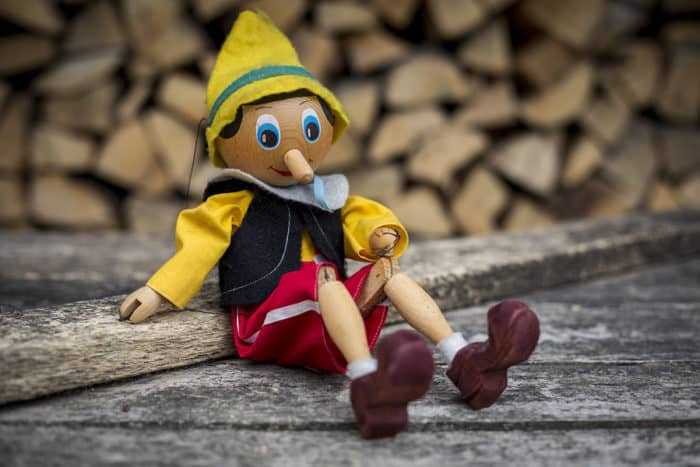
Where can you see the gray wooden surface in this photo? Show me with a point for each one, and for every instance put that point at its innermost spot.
(39, 268)
(45, 268)
(58, 347)
(614, 381)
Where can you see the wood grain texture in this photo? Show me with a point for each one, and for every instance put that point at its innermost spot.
(44, 268)
(50, 349)
(586, 397)
(459, 272)
(45, 350)
(163, 446)
(241, 394)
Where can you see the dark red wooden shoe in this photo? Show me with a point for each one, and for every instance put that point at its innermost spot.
(404, 372)
(479, 369)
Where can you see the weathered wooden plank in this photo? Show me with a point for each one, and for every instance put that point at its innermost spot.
(612, 332)
(561, 407)
(47, 350)
(673, 284)
(649, 315)
(642, 316)
(242, 394)
(465, 271)
(599, 340)
(156, 445)
(52, 267)
(44, 350)
(79, 266)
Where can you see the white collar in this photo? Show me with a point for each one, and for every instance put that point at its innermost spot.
(335, 189)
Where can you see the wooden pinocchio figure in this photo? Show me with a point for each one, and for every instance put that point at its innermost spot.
(280, 235)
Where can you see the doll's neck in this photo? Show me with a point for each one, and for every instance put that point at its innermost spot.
(335, 189)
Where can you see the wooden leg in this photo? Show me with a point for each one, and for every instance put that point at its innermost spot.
(417, 307)
(373, 289)
(341, 317)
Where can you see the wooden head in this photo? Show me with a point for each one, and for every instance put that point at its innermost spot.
(281, 142)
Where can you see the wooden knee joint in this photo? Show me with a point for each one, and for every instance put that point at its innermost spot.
(326, 274)
(373, 290)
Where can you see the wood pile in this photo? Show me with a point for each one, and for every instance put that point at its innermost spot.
(468, 116)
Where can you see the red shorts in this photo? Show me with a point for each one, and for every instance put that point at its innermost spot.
(287, 328)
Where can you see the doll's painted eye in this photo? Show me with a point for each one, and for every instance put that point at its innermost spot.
(311, 125)
(267, 132)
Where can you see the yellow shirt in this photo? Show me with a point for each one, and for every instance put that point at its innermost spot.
(203, 234)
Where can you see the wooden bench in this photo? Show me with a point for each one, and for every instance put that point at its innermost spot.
(614, 379)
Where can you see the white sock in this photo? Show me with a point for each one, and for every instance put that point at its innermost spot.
(362, 367)
(449, 346)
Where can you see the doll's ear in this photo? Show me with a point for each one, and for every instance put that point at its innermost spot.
(230, 130)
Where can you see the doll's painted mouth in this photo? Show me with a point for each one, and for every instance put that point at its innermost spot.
(284, 173)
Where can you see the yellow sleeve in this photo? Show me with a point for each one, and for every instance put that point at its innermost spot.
(202, 236)
(361, 217)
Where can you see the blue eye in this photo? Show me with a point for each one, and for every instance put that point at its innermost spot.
(311, 125)
(267, 132)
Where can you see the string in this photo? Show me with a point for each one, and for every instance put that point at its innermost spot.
(200, 125)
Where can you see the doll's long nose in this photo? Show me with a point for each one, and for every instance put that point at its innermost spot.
(298, 166)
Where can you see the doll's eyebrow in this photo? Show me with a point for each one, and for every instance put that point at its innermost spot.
(263, 107)
(304, 102)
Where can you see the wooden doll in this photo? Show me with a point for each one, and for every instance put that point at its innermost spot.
(280, 235)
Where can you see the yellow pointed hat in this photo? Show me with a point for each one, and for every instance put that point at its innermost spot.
(255, 61)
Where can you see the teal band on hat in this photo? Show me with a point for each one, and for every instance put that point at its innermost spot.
(256, 75)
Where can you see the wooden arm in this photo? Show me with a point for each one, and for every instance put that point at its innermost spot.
(140, 304)
(383, 240)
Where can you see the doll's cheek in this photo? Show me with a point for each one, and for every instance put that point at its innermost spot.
(319, 150)
(227, 149)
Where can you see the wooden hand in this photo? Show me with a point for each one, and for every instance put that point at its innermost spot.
(383, 240)
(140, 304)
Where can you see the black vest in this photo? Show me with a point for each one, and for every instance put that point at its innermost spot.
(268, 243)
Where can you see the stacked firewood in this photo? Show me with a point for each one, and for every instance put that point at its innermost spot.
(468, 116)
